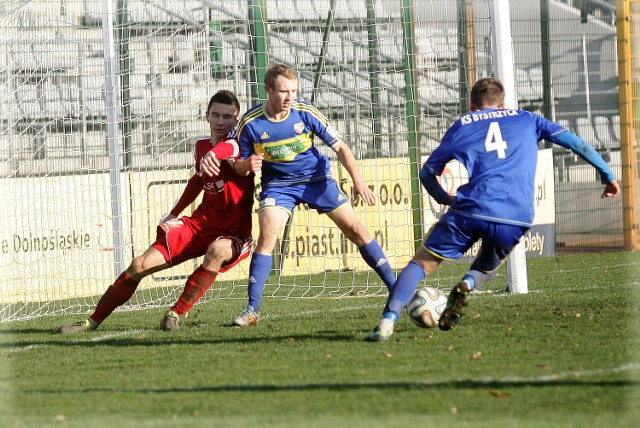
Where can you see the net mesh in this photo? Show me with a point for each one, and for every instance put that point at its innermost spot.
(83, 195)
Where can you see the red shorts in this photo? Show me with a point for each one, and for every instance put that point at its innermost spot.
(181, 239)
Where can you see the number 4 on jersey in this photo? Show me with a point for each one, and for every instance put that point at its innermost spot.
(494, 142)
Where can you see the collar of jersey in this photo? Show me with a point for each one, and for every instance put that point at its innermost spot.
(272, 119)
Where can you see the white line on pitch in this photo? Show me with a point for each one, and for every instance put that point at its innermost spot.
(85, 340)
(564, 375)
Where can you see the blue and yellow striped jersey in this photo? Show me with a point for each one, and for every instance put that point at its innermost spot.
(287, 144)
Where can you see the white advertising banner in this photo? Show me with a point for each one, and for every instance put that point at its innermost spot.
(62, 244)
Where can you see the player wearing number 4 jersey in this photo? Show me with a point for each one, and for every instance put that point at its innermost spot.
(498, 147)
(219, 229)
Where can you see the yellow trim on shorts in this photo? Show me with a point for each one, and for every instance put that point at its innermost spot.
(436, 254)
(333, 211)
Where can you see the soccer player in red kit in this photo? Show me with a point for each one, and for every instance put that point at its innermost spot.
(219, 229)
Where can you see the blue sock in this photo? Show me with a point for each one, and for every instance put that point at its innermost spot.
(470, 280)
(374, 256)
(259, 270)
(477, 278)
(403, 291)
(390, 315)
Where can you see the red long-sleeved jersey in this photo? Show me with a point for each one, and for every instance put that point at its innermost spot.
(228, 197)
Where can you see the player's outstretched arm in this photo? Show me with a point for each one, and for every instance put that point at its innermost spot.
(571, 141)
(348, 160)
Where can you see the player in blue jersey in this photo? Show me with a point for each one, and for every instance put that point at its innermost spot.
(498, 147)
(294, 172)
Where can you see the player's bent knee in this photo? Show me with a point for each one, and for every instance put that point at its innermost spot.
(137, 265)
(218, 253)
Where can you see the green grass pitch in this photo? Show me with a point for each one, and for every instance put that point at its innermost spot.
(567, 354)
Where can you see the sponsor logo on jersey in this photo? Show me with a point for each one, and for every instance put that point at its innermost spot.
(283, 150)
(214, 187)
(264, 136)
(298, 128)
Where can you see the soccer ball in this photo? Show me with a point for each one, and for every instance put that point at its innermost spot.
(426, 306)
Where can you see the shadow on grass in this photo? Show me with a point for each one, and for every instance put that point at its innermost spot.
(145, 339)
(344, 387)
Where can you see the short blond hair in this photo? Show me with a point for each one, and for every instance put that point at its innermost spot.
(277, 70)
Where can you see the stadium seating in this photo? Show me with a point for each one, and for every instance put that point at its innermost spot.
(524, 87)
(281, 49)
(6, 151)
(61, 146)
(565, 123)
(289, 10)
(8, 104)
(4, 62)
(603, 131)
(537, 82)
(439, 88)
(140, 95)
(393, 86)
(28, 97)
(141, 11)
(426, 50)
(54, 54)
(163, 64)
(584, 129)
(233, 54)
(20, 55)
(391, 45)
(445, 46)
(91, 12)
(356, 46)
(183, 55)
(54, 106)
(615, 127)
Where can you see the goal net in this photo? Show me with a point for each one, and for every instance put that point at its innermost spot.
(87, 170)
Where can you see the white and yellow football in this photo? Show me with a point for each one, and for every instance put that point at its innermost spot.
(426, 306)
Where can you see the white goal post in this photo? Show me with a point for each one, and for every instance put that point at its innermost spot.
(499, 11)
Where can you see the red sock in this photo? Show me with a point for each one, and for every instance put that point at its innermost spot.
(197, 284)
(117, 294)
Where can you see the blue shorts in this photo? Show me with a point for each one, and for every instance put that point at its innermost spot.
(454, 234)
(324, 196)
